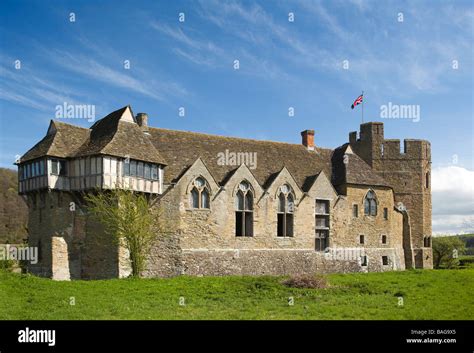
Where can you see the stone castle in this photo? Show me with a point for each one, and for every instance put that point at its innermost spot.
(295, 209)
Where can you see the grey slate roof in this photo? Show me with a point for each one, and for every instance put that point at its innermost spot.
(182, 148)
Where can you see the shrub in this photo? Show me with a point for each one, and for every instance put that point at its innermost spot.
(7, 265)
(307, 281)
(446, 251)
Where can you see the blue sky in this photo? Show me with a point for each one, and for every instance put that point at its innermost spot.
(424, 60)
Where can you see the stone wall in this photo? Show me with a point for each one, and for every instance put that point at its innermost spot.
(72, 244)
(204, 243)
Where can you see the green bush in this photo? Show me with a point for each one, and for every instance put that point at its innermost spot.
(7, 265)
(446, 251)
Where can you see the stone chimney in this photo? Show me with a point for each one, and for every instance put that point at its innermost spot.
(142, 121)
(307, 137)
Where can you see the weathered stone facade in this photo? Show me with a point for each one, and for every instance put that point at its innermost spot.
(408, 172)
(202, 232)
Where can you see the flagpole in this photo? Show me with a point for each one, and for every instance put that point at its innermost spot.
(362, 107)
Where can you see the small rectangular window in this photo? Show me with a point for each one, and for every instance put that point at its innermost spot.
(322, 240)
(355, 211)
(54, 166)
(384, 239)
(280, 226)
(363, 260)
(322, 225)
(41, 167)
(133, 168)
(385, 260)
(427, 242)
(126, 167)
(322, 207)
(361, 239)
(62, 168)
(322, 222)
(154, 172)
(140, 170)
(147, 171)
(238, 224)
(385, 213)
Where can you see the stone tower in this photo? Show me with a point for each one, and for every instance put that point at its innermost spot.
(408, 171)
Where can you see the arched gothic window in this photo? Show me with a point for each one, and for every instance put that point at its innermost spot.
(200, 194)
(244, 211)
(370, 204)
(286, 207)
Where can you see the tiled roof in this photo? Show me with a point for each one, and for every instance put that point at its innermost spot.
(112, 136)
(355, 171)
(108, 136)
(182, 148)
(62, 140)
(178, 150)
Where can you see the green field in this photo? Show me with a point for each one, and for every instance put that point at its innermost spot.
(427, 294)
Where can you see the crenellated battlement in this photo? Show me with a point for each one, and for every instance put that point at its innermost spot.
(371, 145)
(410, 149)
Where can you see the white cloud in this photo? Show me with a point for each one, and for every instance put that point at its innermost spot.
(206, 53)
(101, 72)
(453, 200)
(25, 87)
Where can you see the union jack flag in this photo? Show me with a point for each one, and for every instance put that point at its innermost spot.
(357, 101)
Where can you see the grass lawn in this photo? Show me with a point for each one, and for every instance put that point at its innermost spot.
(427, 294)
